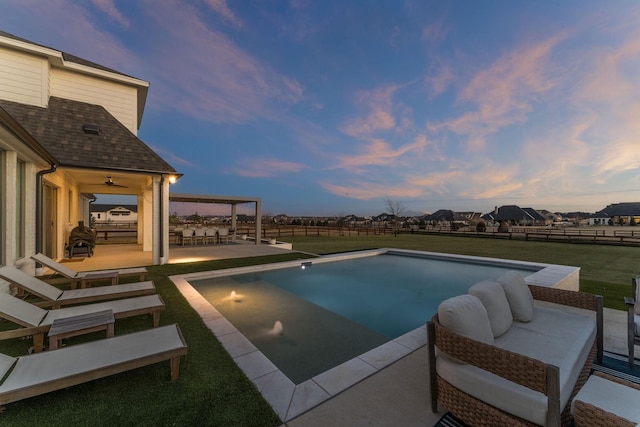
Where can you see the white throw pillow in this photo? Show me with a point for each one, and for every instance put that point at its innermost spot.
(495, 301)
(518, 294)
(465, 315)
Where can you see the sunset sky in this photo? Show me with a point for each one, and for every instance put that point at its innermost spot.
(329, 107)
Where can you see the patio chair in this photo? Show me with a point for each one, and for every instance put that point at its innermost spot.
(223, 234)
(187, 235)
(633, 320)
(84, 278)
(199, 236)
(56, 298)
(177, 233)
(211, 235)
(41, 373)
(36, 321)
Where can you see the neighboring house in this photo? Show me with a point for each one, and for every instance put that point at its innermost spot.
(618, 213)
(515, 215)
(68, 130)
(442, 216)
(114, 214)
(447, 216)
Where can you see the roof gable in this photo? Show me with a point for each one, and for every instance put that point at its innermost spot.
(59, 130)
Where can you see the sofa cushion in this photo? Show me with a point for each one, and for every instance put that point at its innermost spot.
(518, 294)
(465, 315)
(495, 302)
(554, 336)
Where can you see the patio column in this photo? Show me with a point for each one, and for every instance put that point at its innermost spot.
(258, 221)
(234, 221)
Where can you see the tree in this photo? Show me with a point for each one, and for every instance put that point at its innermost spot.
(396, 209)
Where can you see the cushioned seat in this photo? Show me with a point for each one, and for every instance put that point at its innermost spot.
(554, 337)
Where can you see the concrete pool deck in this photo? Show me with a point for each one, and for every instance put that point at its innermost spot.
(397, 394)
(385, 386)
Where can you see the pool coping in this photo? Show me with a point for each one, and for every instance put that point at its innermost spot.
(290, 400)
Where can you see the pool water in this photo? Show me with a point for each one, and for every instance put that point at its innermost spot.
(334, 311)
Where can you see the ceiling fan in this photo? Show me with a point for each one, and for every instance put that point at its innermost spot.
(109, 183)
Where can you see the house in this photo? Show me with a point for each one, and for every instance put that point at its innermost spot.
(113, 214)
(515, 215)
(68, 130)
(618, 214)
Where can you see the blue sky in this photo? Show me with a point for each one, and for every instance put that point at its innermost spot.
(330, 107)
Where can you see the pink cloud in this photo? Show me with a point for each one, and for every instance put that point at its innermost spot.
(379, 103)
(265, 168)
(503, 92)
(108, 7)
(208, 76)
(367, 191)
(222, 8)
(380, 153)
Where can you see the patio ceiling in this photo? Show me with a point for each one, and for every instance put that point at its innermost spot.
(93, 181)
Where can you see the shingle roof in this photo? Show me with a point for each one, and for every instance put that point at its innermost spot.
(59, 129)
(621, 209)
(441, 215)
(513, 213)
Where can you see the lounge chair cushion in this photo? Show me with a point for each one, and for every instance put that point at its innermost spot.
(84, 362)
(554, 336)
(6, 363)
(19, 311)
(495, 301)
(465, 315)
(518, 294)
(127, 305)
(636, 321)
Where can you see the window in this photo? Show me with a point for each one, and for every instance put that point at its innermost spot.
(20, 201)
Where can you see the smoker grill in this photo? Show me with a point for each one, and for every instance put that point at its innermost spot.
(82, 240)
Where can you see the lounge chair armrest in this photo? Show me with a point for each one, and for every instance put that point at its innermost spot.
(629, 301)
(514, 367)
(565, 297)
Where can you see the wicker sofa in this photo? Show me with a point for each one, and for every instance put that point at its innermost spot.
(502, 355)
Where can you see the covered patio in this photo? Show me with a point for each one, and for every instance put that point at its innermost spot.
(131, 255)
(234, 201)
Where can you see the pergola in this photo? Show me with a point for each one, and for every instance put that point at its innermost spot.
(234, 201)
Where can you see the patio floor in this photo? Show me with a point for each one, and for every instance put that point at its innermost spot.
(397, 395)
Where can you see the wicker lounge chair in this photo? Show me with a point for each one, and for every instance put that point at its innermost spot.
(525, 373)
(37, 321)
(633, 320)
(41, 373)
(56, 298)
(86, 277)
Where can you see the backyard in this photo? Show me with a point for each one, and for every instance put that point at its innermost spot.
(212, 390)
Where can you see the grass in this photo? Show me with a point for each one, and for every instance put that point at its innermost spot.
(212, 390)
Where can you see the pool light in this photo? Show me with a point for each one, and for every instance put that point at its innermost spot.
(305, 264)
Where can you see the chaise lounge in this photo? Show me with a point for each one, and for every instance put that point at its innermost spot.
(512, 354)
(41, 373)
(56, 298)
(37, 321)
(84, 278)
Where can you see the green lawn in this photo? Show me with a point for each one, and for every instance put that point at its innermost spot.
(212, 390)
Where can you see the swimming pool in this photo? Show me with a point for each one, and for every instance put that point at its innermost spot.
(246, 325)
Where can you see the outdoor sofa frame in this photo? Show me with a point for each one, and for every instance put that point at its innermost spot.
(520, 369)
